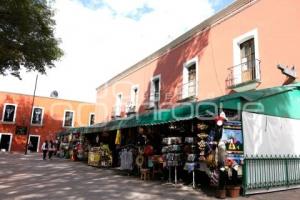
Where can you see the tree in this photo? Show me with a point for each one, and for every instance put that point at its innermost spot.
(27, 37)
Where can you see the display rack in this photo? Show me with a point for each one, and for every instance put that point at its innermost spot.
(191, 161)
(172, 154)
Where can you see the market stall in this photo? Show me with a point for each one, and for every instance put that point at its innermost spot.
(100, 156)
(229, 140)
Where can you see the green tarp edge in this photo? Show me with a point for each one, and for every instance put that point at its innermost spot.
(282, 101)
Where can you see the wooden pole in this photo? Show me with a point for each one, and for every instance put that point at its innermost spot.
(30, 114)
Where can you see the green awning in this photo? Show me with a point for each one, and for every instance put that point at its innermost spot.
(162, 116)
(207, 108)
(280, 101)
(62, 133)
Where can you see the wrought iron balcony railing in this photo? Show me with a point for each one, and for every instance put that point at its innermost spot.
(154, 99)
(187, 90)
(130, 108)
(116, 111)
(243, 73)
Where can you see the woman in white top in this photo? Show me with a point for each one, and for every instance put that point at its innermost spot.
(45, 149)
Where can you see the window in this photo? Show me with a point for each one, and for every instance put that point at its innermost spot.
(9, 113)
(118, 105)
(37, 116)
(92, 119)
(189, 79)
(68, 119)
(132, 104)
(134, 95)
(246, 58)
(155, 92)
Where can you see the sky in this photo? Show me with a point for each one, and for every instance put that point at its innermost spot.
(101, 38)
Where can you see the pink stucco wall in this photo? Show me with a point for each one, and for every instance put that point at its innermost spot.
(278, 26)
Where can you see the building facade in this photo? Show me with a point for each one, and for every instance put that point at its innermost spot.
(43, 121)
(237, 49)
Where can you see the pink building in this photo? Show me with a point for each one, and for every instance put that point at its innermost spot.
(237, 49)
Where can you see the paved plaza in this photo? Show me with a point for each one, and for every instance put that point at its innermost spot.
(30, 177)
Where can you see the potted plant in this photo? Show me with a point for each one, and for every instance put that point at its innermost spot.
(233, 190)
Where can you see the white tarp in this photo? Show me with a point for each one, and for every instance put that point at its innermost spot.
(268, 135)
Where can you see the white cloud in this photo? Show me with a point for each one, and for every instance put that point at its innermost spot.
(101, 42)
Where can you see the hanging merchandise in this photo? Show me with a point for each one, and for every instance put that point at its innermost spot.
(191, 160)
(221, 153)
(172, 154)
(220, 119)
(141, 140)
(126, 157)
(214, 178)
(148, 150)
(202, 135)
(189, 140)
(97, 139)
(100, 156)
(211, 159)
(172, 140)
(139, 161)
(202, 143)
(118, 137)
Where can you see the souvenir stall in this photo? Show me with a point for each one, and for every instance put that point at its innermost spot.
(176, 149)
(220, 157)
(265, 125)
(64, 145)
(100, 154)
(216, 138)
(75, 147)
(139, 152)
(152, 151)
(126, 150)
(134, 151)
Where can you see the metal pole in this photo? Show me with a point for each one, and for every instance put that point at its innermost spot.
(175, 174)
(170, 179)
(194, 183)
(29, 123)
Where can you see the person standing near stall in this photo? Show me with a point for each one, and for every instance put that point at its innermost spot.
(45, 149)
(51, 149)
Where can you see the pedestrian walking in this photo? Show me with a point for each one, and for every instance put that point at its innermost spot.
(45, 149)
(50, 149)
(30, 146)
(56, 145)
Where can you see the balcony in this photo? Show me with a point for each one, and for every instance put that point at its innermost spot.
(116, 112)
(244, 76)
(187, 91)
(154, 99)
(130, 108)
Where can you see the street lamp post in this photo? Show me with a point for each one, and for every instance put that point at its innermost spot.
(29, 123)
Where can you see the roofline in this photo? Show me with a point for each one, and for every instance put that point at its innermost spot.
(236, 5)
(29, 95)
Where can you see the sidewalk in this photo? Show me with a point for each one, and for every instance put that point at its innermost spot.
(30, 177)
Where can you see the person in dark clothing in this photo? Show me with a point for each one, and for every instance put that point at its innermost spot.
(45, 149)
(50, 149)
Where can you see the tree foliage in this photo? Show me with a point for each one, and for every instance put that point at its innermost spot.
(27, 37)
